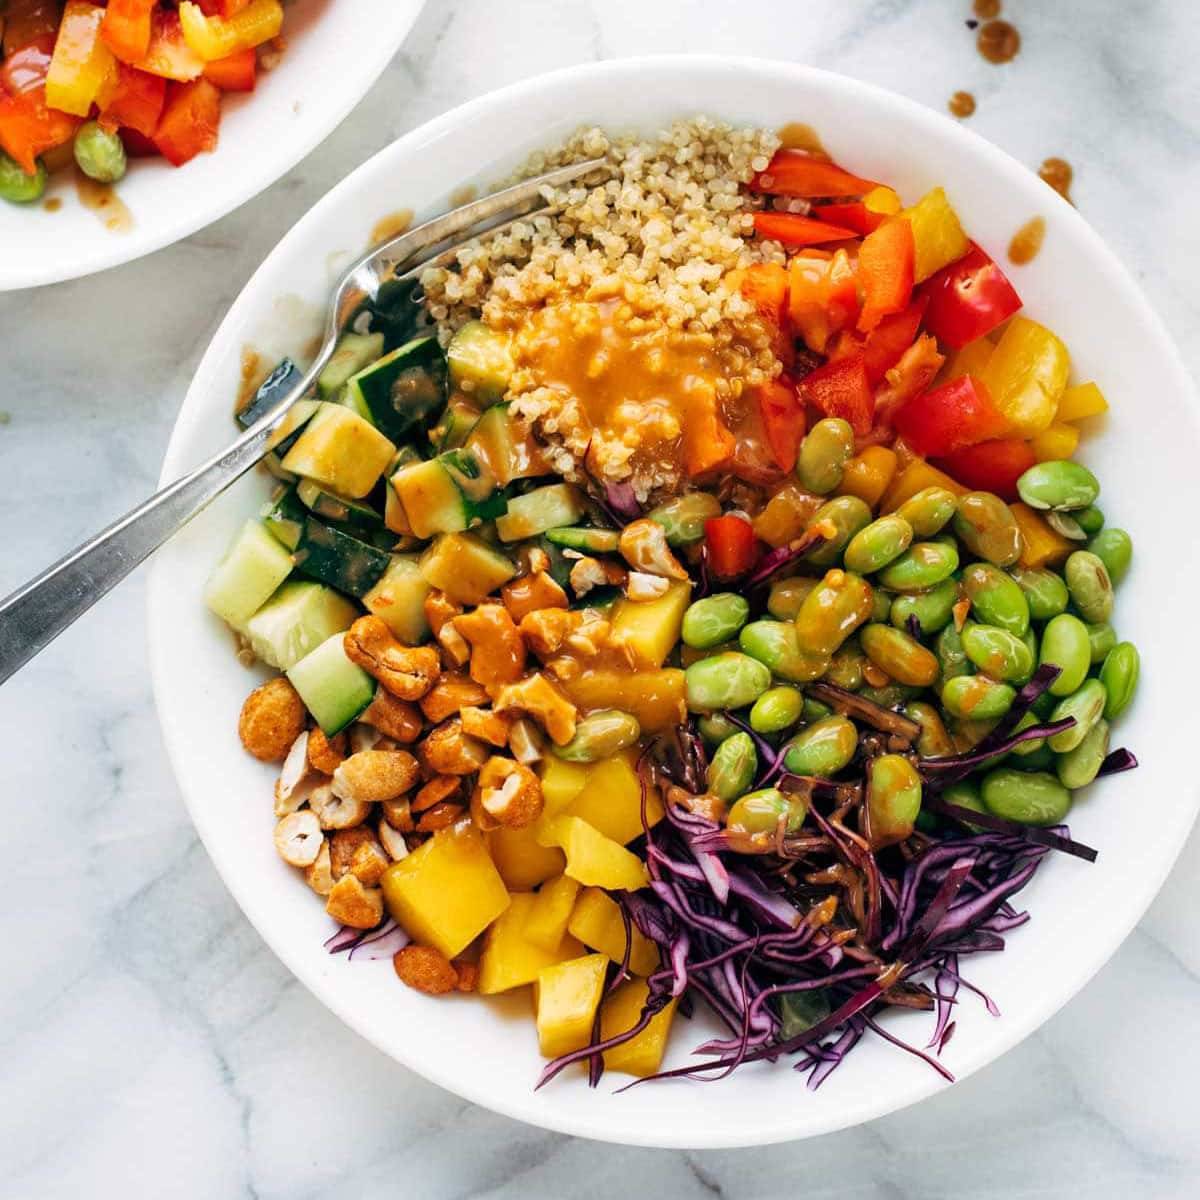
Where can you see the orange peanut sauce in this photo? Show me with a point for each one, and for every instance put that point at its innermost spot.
(961, 104)
(1027, 241)
(1057, 172)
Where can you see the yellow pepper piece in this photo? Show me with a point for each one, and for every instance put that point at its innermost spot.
(1082, 400)
(869, 474)
(917, 476)
(592, 858)
(883, 199)
(597, 922)
(1040, 545)
(1056, 442)
(642, 1054)
(566, 997)
(216, 37)
(509, 958)
(82, 65)
(1026, 375)
(611, 800)
(970, 360)
(649, 629)
(656, 698)
(446, 892)
(551, 911)
(937, 233)
(523, 862)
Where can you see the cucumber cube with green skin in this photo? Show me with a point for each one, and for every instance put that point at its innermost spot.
(480, 362)
(589, 541)
(340, 450)
(473, 479)
(354, 352)
(507, 449)
(398, 599)
(332, 507)
(431, 499)
(458, 419)
(336, 557)
(333, 689)
(242, 582)
(404, 389)
(296, 620)
(537, 511)
(284, 516)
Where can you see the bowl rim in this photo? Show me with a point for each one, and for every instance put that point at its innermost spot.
(869, 1107)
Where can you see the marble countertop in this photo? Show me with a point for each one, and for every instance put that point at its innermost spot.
(153, 1046)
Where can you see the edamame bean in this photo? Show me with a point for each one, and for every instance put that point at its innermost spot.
(876, 545)
(976, 697)
(933, 741)
(777, 645)
(1024, 749)
(987, 528)
(1090, 519)
(729, 680)
(1077, 768)
(1089, 585)
(1101, 639)
(827, 448)
(1064, 523)
(786, 596)
(998, 653)
(715, 728)
(1045, 592)
(899, 655)
(16, 186)
(1085, 707)
(893, 799)
(823, 748)
(600, 735)
(733, 767)
(1040, 758)
(99, 153)
(845, 668)
(996, 599)
(683, 518)
(1058, 484)
(1114, 548)
(764, 810)
(815, 711)
(847, 515)
(1031, 797)
(1065, 644)
(1119, 674)
(881, 604)
(778, 708)
(832, 611)
(891, 695)
(714, 620)
(921, 567)
(952, 658)
(929, 510)
(965, 794)
(931, 610)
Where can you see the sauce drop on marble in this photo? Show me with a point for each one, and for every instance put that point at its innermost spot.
(998, 41)
(986, 10)
(962, 104)
(1027, 241)
(1057, 172)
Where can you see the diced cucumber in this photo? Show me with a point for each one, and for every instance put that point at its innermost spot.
(339, 559)
(480, 362)
(242, 582)
(465, 567)
(284, 516)
(475, 481)
(403, 389)
(590, 541)
(296, 620)
(333, 689)
(603, 597)
(458, 419)
(431, 499)
(354, 351)
(341, 450)
(507, 449)
(272, 389)
(537, 511)
(399, 600)
(560, 566)
(331, 507)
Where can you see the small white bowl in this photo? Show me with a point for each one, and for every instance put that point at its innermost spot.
(1145, 458)
(334, 53)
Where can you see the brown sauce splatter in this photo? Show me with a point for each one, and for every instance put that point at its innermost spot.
(798, 136)
(393, 225)
(1058, 174)
(986, 10)
(104, 202)
(1027, 241)
(250, 377)
(998, 42)
(962, 104)
(52, 204)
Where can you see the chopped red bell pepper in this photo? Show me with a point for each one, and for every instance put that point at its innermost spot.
(731, 546)
(957, 414)
(235, 72)
(25, 69)
(885, 271)
(794, 173)
(782, 420)
(707, 441)
(222, 8)
(189, 122)
(796, 231)
(822, 296)
(126, 28)
(911, 374)
(137, 145)
(990, 466)
(29, 127)
(882, 348)
(169, 55)
(852, 215)
(29, 21)
(968, 299)
(136, 102)
(765, 285)
(841, 389)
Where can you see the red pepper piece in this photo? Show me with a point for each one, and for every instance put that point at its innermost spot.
(29, 127)
(882, 348)
(126, 28)
(968, 299)
(731, 545)
(853, 215)
(990, 466)
(957, 414)
(885, 270)
(782, 420)
(136, 103)
(841, 389)
(794, 173)
(235, 73)
(189, 122)
(796, 231)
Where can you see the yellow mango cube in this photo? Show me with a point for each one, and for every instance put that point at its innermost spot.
(340, 450)
(938, 235)
(970, 360)
(642, 1054)
(1058, 441)
(596, 921)
(447, 891)
(869, 474)
(649, 629)
(509, 959)
(611, 801)
(566, 996)
(656, 698)
(592, 858)
(562, 781)
(1026, 375)
(523, 862)
(1082, 400)
(552, 908)
(1040, 545)
(914, 478)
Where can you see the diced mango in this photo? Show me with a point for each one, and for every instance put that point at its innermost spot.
(597, 922)
(509, 958)
(1040, 545)
(656, 698)
(523, 862)
(917, 476)
(562, 781)
(970, 360)
(341, 450)
(552, 908)
(566, 996)
(869, 474)
(643, 1054)
(611, 800)
(1082, 400)
(1026, 375)
(447, 891)
(938, 235)
(649, 629)
(465, 567)
(592, 858)
(1057, 441)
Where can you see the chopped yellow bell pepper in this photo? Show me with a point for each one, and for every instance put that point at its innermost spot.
(552, 908)
(1026, 375)
(592, 858)
(523, 862)
(218, 37)
(883, 199)
(611, 800)
(82, 65)
(869, 474)
(656, 698)
(917, 476)
(970, 360)
(938, 234)
(1057, 441)
(446, 892)
(1040, 545)
(566, 997)
(642, 1054)
(1082, 400)
(562, 781)
(597, 922)
(649, 629)
(509, 958)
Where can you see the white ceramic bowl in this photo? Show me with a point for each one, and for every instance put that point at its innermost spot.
(335, 52)
(1145, 458)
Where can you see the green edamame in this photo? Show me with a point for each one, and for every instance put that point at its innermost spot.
(1065, 644)
(100, 153)
(931, 610)
(715, 728)
(965, 794)
(778, 708)
(17, 187)
(891, 695)
(845, 668)
(764, 810)
(815, 711)
(832, 611)
(998, 653)
(1058, 484)
(976, 697)
(952, 658)
(1077, 768)
(929, 510)
(987, 528)
(920, 567)
(827, 448)
(847, 515)
(996, 599)
(728, 680)
(786, 596)
(902, 657)
(683, 518)
(878, 544)
(933, 741)
(1090, 519)
(823, 748)
(733, 767)
(1101, 639)
(1033, 745)
(1031, 797)
(1086, 706)
(600, 735)
(1045, 592)
(893, 799)
(1114, 548)
(1064, 523)
(777, 645)
(714, 620)
(1089, 585)
(881, 604)
(1119, 674)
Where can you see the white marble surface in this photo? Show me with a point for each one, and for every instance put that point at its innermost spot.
(153, 1046)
